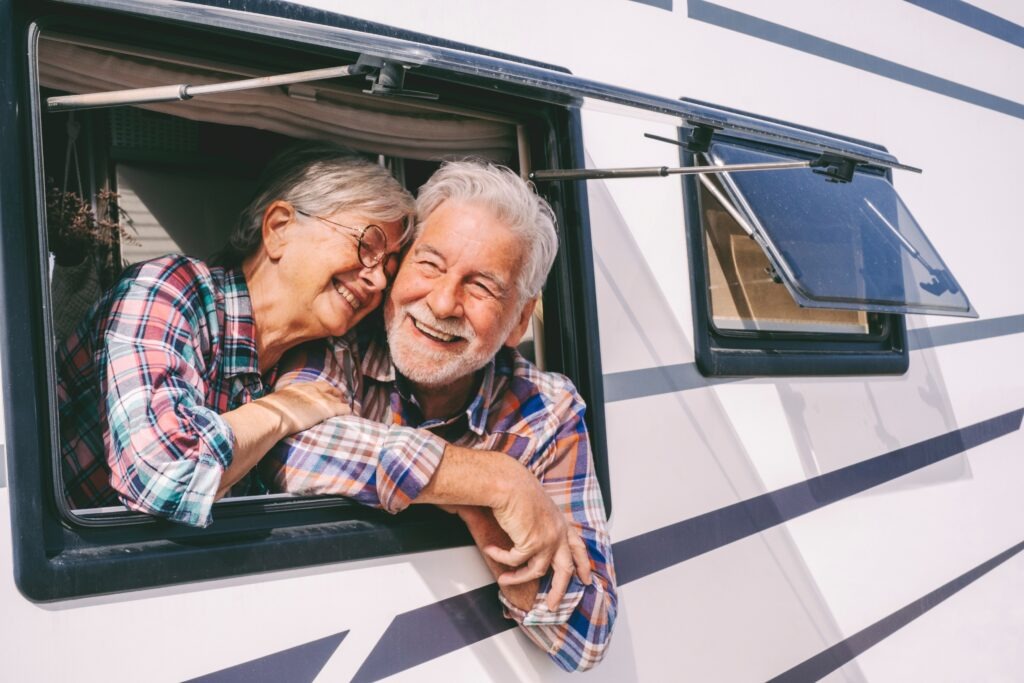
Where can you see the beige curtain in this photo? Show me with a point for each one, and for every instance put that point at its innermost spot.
(319, 110)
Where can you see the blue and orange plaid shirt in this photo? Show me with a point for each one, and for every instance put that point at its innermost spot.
(142, 384)
(385, 453)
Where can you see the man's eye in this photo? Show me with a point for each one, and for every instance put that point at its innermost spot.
(429, 268)
(479, 289)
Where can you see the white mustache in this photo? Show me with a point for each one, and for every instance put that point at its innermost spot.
(457, 328)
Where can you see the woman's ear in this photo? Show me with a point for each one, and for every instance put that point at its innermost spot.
(277, 217)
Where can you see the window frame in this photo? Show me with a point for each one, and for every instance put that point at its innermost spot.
(750, 353)
(60, 555)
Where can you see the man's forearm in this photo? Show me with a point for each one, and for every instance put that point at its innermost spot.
(471, 477)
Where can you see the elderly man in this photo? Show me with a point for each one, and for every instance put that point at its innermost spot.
(461, 301)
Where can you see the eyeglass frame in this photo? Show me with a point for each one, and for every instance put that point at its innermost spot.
(360, 248)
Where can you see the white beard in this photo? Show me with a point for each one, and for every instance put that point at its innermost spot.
(436, 367)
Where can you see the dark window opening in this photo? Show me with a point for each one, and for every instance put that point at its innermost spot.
(173, 171)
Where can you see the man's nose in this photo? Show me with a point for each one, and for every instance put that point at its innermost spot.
(445, 298)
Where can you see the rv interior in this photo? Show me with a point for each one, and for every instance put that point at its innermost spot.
(174, 176)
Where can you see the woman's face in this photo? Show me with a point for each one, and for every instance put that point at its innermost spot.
(325, 282)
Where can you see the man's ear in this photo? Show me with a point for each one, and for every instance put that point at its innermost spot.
(519, 330)
(276, 218)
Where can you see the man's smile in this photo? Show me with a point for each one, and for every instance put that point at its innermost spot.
(434, 333)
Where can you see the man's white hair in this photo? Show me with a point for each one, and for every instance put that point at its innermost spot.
(513, 202)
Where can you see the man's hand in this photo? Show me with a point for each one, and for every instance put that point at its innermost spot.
(537, 528)
(488, 534)
(541, 538)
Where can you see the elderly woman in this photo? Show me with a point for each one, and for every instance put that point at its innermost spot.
(163, 389)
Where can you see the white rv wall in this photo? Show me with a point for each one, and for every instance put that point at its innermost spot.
(751, 609)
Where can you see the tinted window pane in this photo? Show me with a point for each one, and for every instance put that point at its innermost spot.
(745, 295)
(842, 245)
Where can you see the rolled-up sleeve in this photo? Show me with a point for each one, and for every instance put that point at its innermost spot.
(167, 450)
(576, 634)
(383, 466)
(377, 465)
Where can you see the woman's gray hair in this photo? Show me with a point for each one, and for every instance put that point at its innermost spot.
(514, 203)
(320, 179)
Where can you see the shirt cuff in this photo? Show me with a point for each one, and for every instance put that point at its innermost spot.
(184, 490)
(408, 459)
(539, 614)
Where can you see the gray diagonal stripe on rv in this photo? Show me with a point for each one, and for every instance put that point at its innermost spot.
(710, 13)
(976, 18)
(656, 550)
(827, 661)
(660, 4)
(956, 333)
(3, 466)
(299, 664)
(432, 631)
(668, 379)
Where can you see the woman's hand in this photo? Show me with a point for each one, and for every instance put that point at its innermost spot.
(259, 425)
(304, 404)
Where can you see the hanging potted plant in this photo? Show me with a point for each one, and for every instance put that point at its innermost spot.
(77, 231)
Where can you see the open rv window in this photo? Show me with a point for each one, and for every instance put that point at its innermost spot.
(797, 275)
(851, 245)
(181, 172)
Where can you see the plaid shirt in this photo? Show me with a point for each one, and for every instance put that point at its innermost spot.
(142, 384)
(377, 458)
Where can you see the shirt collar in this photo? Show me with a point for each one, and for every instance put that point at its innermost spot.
(376, 364)
(240, 356)
(372, 342)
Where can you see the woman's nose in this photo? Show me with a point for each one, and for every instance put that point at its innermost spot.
(375, 277)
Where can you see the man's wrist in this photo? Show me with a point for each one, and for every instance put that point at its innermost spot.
(509, 477)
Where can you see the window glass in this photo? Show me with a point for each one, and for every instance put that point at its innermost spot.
(745, 292)
(841, 245)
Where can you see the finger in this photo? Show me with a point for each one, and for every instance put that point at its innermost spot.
(559, 583)
(509, 558)
(528, 572)
(580, 557)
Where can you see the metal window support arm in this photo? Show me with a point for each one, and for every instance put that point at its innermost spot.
(835, 168)
(386, 78)
(824, 164)
(655, 171)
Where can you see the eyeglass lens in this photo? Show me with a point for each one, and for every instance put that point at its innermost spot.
(372, 245)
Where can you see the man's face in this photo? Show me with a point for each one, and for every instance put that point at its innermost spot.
(455, 300)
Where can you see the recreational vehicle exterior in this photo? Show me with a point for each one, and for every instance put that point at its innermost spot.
(785, 289)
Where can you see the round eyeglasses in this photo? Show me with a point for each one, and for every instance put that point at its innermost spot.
(373, 243)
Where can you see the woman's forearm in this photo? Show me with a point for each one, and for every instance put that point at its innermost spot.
(257, 426)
